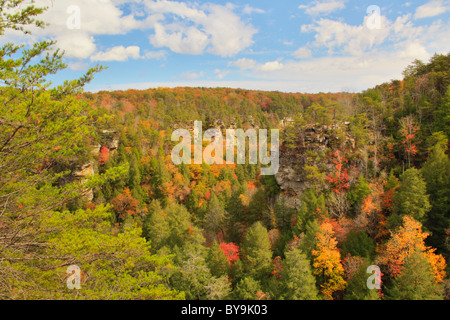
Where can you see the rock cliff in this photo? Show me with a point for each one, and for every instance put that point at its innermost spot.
(313, 146)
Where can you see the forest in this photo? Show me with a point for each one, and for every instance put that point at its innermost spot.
(87, 180)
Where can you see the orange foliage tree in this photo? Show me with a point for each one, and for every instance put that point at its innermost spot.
(327, 261)
(125, 204)
(408, 239)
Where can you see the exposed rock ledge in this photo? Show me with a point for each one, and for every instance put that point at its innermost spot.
(291, 177)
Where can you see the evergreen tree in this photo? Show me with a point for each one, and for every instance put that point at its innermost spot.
(156, 226)
(256, 253)
(298, 282)
(357, 286)
(192, 275)
(180, 224)
(411, 197)
(247, 289)
(416, 281)
(358, 244)
(436, 173)
(217, 260)
(311, 204)
(215, 216)
(218, 288)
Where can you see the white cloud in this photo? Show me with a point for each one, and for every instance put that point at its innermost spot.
(358, 58)
(415, 50)
(431, 9)
(244, 63)
(220, 74)
(119, 53)
(249, 10)
(192, 75)
(96, 17)
(322, 7)
(271, 66)
(177, 25)
(179, 39)
(194, 30)
(157, 55)
(303, 53)
(249, 64)
(342, 37)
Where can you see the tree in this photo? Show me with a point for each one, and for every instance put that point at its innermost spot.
(312, 205)
(45, 134)
(327, 262)
(218, 288)
(180, 224)
(404, 242)
(215, 216)
(416, 281)
(256, 253)
(409, 132)
(411, 197)
(247, 289)
(104, 155)
(156, 226)
(297, 278)
(231, 251)
(436, 173)
(14, 16)
(125, 205)
(358, 244)
(357, 286)
(358, 192)
(217, 260)
(192, 275)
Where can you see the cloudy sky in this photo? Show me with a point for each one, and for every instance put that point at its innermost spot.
(285, 45)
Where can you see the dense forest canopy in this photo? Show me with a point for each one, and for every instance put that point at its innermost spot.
(87, 180)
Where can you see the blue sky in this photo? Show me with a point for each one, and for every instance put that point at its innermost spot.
(285, 45)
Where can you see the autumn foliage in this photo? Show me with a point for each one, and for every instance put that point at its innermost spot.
(327, 262)
(231, 251)
(408, 239)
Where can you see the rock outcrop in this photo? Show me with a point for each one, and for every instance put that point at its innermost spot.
(292, 177)
(82, 174)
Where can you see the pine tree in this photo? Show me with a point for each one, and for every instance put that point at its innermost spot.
(192, 275)
(411, 197)
(357, 285)
(215, 217)
(247, 289)
(416, 281)
(217, 260)
(358, 244)
(156, 226)
(436, 173)
(256, 253)
(297, 278)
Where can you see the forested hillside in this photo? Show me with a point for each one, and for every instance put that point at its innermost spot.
(87, 179)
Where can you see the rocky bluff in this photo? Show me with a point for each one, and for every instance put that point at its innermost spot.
(310, 147)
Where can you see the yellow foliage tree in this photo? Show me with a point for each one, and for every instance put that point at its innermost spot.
(327, 262)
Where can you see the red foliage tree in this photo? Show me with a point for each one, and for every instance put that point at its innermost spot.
(104, 155)
(339, 180)
(231, 251)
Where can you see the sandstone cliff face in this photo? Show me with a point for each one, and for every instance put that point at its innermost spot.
(110, 140)
(82, 174)
(323, 140)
